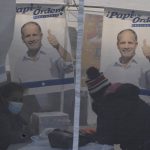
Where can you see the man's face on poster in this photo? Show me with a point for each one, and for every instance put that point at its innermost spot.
(32, 37)
(127, 44)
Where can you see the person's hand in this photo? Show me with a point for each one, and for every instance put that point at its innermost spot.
(52, 40)
(146, 49)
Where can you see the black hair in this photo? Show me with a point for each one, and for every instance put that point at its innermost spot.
(92, 73)
(7, 89)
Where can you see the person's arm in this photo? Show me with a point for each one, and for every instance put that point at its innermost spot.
(8, 135)
(146, 50)
(62, 52)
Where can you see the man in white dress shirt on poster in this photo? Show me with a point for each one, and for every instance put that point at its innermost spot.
(37, 64)
(128, 68)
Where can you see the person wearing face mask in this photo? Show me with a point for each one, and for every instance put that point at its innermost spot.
(13, 128)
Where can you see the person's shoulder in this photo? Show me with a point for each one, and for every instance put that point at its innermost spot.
(4, 116)
(140, 60)
(123, 89)
(20, 60)
(112, 88)
(50, 52)
(113, 64)
(128, 90)
(111, 68)
(43, 50)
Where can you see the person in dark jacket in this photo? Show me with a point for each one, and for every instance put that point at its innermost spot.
(122, 117)
(13, 128)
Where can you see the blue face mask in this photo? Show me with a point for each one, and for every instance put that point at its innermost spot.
(15, 107)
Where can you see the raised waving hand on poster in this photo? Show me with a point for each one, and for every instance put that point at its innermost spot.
(146, 49)
(54, 42)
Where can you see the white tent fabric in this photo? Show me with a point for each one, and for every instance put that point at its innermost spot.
(7, 19)
(127, 4)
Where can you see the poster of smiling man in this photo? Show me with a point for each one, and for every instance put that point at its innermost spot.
(40, 55)
(125, 50)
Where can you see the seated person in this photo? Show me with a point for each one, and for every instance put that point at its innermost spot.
(122, 117)
(13, 129)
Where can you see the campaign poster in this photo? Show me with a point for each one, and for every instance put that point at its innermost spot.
(125, 48)
(93, 24)
(40, 54)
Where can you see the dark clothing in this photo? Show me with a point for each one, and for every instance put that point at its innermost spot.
(122, 117)
(13, 128)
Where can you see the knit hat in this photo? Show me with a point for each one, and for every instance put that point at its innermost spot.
(97, 80)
